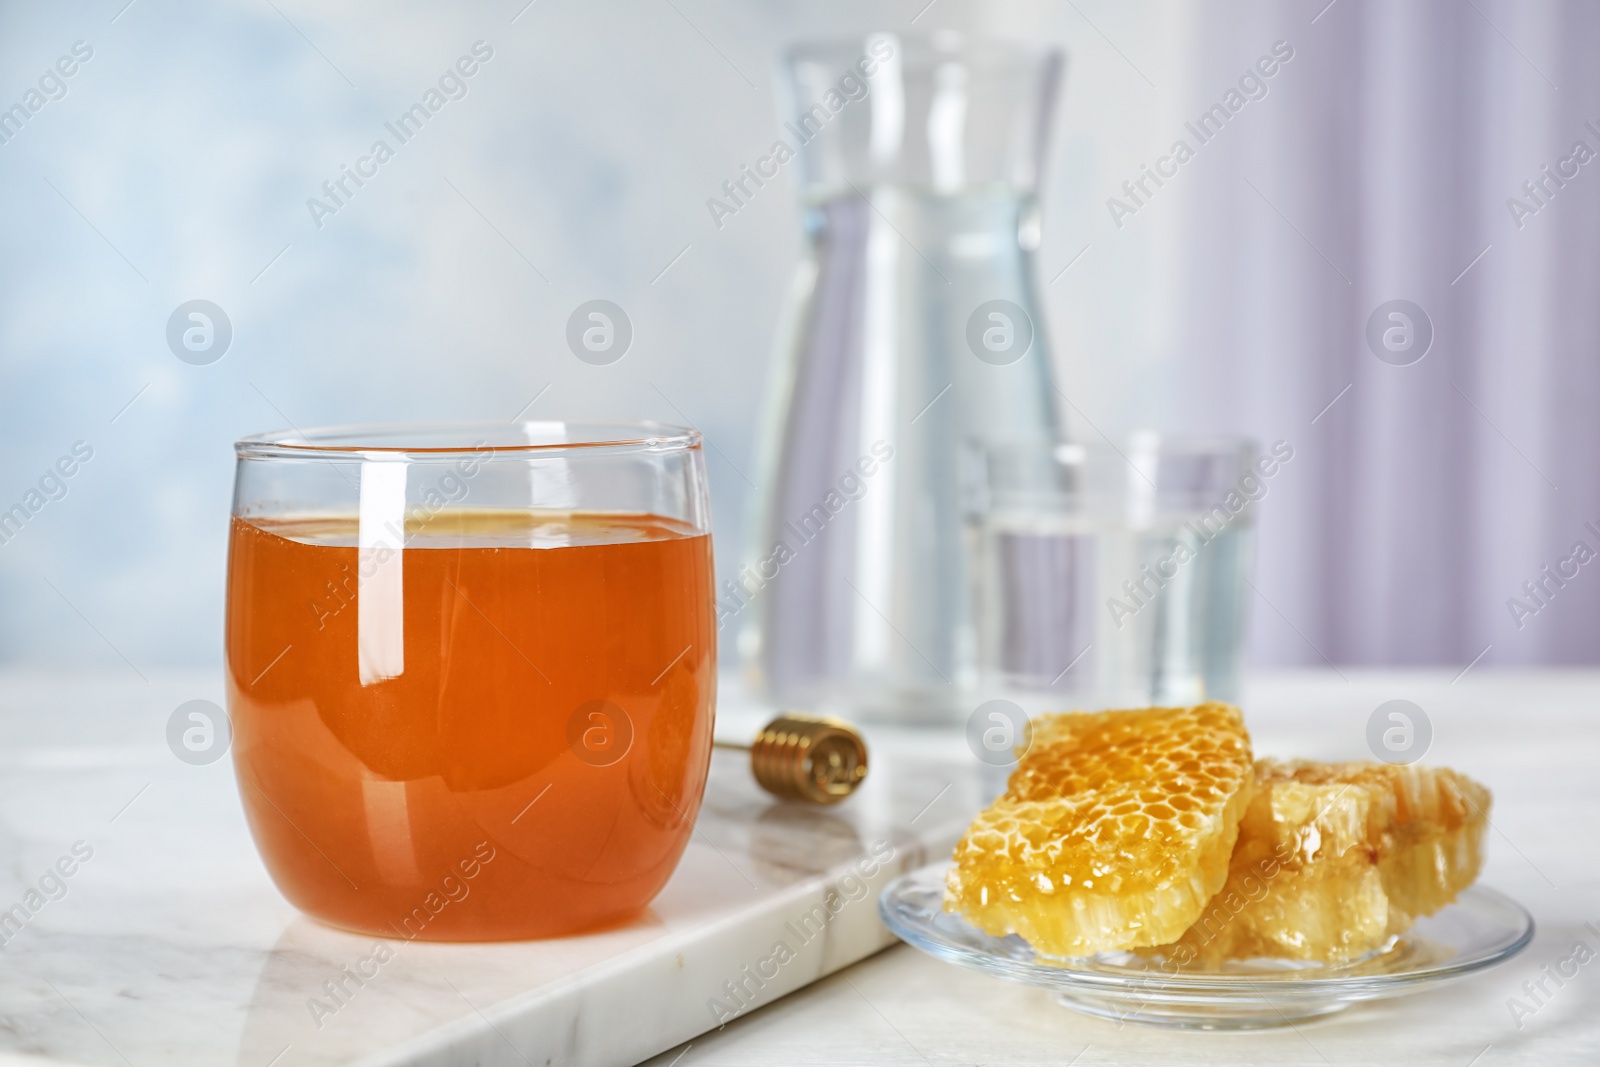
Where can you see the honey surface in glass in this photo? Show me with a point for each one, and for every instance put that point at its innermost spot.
(535, 766)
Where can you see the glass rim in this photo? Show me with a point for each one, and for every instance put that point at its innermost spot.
(1141, 470)
(476, 438)
(930, 47)
(1146, 444)
(1142, 442)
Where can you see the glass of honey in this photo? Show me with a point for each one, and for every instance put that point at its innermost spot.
(471, 670)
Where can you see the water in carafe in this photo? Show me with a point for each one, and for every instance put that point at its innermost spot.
(913, 333)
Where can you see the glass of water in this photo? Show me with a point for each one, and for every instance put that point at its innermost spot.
(1114, 575)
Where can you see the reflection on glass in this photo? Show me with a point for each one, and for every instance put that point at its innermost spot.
(471, 676)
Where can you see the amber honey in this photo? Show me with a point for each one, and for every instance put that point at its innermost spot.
(512, 743)
(1334, 859)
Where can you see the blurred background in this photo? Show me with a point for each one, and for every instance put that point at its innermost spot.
(1433, 152)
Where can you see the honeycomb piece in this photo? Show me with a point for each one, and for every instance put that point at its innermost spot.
(1334, 859)
(1113, 832)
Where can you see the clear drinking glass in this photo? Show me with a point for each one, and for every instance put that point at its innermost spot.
(1114, 576)
(913, 329)
(471, 670)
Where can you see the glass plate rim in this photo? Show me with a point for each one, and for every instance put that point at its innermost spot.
(1289, 983)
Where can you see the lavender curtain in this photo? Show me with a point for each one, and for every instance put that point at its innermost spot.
(1383, 165)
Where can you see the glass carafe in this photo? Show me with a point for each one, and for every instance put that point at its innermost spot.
(912, 333)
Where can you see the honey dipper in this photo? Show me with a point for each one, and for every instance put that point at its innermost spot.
(812, 758)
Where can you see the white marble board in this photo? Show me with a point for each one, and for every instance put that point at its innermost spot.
(170, 946)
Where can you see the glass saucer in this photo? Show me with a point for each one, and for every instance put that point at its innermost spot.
(1482, 928)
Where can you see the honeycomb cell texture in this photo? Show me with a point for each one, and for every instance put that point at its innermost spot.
(1113, 832)
(1335, 859)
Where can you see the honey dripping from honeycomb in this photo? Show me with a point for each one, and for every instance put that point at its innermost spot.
(1113, 832)
(1333, 859)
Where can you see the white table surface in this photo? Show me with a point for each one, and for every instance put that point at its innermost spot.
(1532, 737)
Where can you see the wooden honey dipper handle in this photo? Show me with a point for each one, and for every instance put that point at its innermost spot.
(806, 757)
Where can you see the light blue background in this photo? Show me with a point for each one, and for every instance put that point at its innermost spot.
(179, 163)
